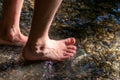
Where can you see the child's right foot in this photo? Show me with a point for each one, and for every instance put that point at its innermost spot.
(55, 50)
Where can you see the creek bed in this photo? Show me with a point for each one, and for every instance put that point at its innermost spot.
(98, 53)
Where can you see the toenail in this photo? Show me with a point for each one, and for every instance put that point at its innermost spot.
(72, 40)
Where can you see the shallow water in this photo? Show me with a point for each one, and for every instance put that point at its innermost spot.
(98, 53)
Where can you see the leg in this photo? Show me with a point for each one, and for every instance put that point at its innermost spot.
(39, 45)
(9, 29)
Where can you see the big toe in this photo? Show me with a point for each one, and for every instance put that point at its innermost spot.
(70, 41)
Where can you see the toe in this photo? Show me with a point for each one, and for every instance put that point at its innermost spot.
(69, 51)
(70, 41)
(71, 47)
(69, 54)
(65, 57)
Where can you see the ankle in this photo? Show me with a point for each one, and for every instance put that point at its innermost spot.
(37, 41)
(10, 34)
(39, 44)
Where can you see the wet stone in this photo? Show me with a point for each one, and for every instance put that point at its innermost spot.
(98, 43)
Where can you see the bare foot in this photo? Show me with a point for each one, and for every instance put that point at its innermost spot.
(12, 37)
(17, 40)
(55, 50)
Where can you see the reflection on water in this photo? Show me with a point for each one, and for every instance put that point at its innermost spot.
(96, 26)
